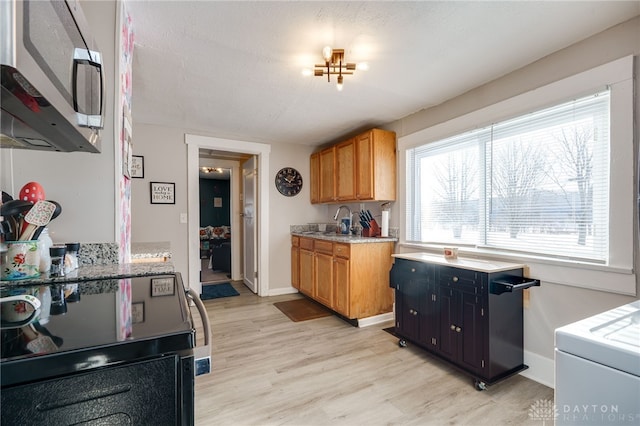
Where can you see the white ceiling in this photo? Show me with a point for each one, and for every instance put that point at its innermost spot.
(232, 69)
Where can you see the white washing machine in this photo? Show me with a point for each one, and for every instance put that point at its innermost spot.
(597, 369)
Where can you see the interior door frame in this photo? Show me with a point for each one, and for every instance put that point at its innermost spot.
(261, 151)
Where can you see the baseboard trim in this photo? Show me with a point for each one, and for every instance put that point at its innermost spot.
(376, 319)
(541, 369)
(281, 291)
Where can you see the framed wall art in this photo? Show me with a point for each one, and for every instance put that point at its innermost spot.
(137, 166)
(137, 312)
(163, 287)
(163, 193)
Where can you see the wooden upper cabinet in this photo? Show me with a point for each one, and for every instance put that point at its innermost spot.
(315, 178)
(376, 165)
(362, 168)
(327, 172)
(346, 170)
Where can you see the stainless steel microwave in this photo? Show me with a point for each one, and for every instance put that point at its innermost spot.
(52, 77)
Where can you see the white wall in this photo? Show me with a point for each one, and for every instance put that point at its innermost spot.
(84, 184)
(165, 160)
(551, 305)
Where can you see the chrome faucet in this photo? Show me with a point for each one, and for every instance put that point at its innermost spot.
(335, 217)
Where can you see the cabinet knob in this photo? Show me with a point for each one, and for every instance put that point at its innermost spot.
(413, 269)
(453, 327)
(455, 279)
(457, 329)
(415, 312)
(411, 311)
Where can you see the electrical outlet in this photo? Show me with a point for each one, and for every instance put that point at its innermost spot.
(183, 218)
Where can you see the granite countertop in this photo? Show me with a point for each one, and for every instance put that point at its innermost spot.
(341, 238)
(156, 250)
(462, 263)
(97, 272)
(100, 261)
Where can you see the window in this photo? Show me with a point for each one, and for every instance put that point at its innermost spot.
(536, 185)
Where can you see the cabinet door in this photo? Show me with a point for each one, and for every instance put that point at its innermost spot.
(324, 279)
(449, 320)
(472, 344)
(346, 170)
(365, 164)
(327, 175)
(461, 328)
(411, 298)
(315, 178)
(295, 267)
(306, 272)
(341, 285)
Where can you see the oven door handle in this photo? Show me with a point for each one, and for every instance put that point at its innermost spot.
(202, 354)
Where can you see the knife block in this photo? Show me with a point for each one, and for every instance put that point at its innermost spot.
(373, 230)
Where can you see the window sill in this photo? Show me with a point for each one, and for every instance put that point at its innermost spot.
(557, 271)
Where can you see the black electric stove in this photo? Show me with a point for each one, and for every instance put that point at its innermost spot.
(100, 326)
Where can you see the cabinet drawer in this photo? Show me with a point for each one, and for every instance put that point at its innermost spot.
(463, 279)
(324, 247)
(341, 250)
(295, 241)
(306, 243)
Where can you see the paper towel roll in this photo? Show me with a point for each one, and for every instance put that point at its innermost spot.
(385, 224)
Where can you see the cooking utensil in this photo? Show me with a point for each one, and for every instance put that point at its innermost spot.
(32, 191)
(39, 215)
(56, 213)
(12, 211)
(38, 343)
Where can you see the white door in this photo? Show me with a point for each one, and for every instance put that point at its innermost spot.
(249, 174)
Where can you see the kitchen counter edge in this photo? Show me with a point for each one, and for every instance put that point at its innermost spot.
(97, 272)
(480, 265)
(339, 238)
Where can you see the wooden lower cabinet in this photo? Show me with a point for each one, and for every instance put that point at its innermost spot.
(341, 285)
(351, 279)
(324, 278)
(306, 267)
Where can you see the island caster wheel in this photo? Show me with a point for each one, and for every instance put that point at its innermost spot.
(480, 386)
(402, 343)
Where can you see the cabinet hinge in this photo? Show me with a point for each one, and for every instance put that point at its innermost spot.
(481, 312)
(482, 363)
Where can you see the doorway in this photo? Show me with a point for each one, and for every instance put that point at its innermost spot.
(216, 207)
(220, 146)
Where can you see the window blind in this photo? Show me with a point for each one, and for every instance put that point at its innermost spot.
(538, 183)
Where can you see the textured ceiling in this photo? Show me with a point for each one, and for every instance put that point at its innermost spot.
(233, 69)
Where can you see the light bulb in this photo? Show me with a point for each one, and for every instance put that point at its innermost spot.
(339, 85)
(362, 66)
(307, 72)
(327, 52)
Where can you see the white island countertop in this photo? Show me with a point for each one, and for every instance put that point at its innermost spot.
(463, 263)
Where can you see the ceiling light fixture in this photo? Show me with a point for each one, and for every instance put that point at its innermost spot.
(211, 169)
(334, 64)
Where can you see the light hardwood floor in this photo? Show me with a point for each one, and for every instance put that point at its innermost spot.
(268, 370)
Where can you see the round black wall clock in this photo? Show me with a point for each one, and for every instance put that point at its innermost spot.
(289, 181)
